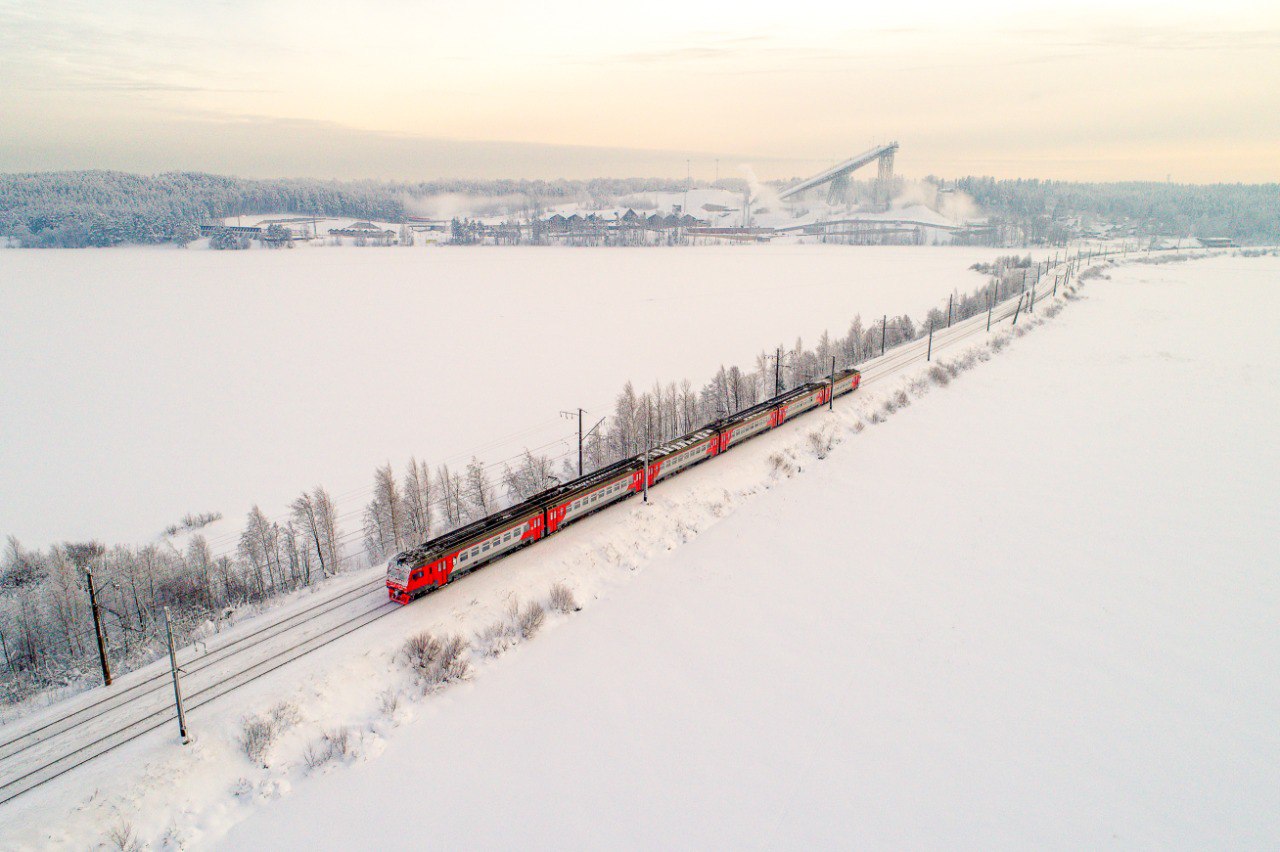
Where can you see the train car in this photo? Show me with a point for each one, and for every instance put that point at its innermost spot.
(435, 562)
(847, 381)
(749, 422)
(680, 454)
(804, 398)
(578, 498)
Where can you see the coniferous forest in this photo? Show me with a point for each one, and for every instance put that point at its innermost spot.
(105, 208)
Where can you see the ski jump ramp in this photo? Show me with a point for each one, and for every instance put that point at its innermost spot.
(837, 177)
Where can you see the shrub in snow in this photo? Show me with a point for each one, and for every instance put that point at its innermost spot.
(284, 715)
(780, 465)
(896, 401)
(256, 736)
(435, 661)
(257, 733)
(333, 745)
(939, 376)
(497, 638)
(530, 619)
(821, 442)
(122, 836)
(857, 427)
(561, 599)
(389, 701)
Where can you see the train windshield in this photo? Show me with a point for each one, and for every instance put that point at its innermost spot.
(397, 572)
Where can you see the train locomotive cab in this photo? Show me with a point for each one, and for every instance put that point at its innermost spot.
(398, 580)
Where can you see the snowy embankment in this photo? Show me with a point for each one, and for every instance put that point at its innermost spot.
(1031, 607)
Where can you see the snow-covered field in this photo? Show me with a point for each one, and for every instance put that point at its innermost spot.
(143, 384)
(1033, 608)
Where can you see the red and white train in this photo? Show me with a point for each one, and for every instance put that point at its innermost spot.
(444, 558)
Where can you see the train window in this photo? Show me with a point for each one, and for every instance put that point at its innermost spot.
(463, 557)
(485, 547)
(474, 551)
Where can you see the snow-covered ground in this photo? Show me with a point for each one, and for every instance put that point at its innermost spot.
(143, 384)
(1032, 608)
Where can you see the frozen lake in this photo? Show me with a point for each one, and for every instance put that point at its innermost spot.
(142, 384)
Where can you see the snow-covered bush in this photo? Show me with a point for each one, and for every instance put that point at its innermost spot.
(256, 736)
(122, 836)
(821, 441)
(496, 638)
(561, 599)
(780, 465)
(389, 701)
(530, 618)
(335, 744)
(437, 662)
(258, 733)
(939, 376)
(896, 401)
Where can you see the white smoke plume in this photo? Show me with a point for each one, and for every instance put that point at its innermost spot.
(955, 205)
(450, 205)
(762, 195)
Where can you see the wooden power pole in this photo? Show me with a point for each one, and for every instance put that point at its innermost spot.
(97, 630)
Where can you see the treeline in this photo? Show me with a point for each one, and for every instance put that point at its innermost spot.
(46, 625)
(105, 208)
(1248, 213)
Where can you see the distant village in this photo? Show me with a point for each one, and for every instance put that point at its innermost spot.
(695, 217)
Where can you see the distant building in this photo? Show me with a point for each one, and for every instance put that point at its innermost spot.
(1216, 242)
(363, 229)
(244, 230)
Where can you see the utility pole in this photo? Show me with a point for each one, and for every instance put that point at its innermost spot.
(777, 373)
(568, 415)
(831, 400)
(97, 630)
(929, 355)
(1031, 306)
(177, 687)
(5, 645)
(991, 306)
(647, 425)
(950, 300)
(884, 330)
(1019, 310)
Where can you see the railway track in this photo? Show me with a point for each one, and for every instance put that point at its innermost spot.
(40, 754)
(57, 746)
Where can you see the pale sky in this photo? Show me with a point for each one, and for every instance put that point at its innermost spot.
(419, 90)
